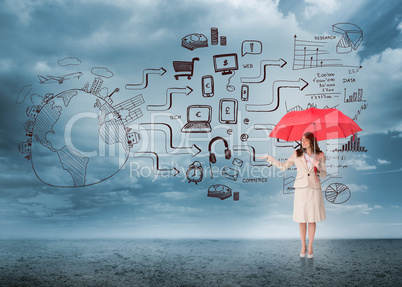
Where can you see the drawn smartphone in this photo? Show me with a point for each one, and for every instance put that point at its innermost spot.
(207, 83)
(228, 111)
(244, 92)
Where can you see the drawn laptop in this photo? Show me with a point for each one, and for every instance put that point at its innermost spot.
(198, 119)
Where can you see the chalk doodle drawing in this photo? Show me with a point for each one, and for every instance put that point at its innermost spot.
(352, 37)
(212, 156)
(102, 72)
(198, 119)
(145, 75)
(194, 41)
(276, 87)
(195, 172)
(226, 64)
(353, 145)
(69, 61)
(313, 54)
(169, 95)
(167, 130)
(58, 79)
(184, 66)
(251, 151)
(219, 191)
(263, 70)
(23, 93)
(354, 97)
(86, 135)
(337, 193)
(49, 153)
(208, 86)
(156, 167)
(362, 108)
(245, 91)
(251, 47)
(228, 109)
(309, 105)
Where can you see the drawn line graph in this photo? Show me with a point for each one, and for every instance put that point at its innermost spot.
(313, 54)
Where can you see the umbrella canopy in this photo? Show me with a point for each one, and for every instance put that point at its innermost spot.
(323, 123)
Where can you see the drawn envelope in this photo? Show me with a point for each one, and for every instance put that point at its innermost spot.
(238, 162)
(230, 173)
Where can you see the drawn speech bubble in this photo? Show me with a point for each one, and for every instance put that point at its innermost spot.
(251, 47)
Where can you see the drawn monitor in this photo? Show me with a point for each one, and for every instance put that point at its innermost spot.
(225, 63)
(198, 119)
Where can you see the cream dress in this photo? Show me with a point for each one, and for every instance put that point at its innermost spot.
(308, 205)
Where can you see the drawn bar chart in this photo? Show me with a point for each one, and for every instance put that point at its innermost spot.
(312, 54)
(353, 145)
(354, 97)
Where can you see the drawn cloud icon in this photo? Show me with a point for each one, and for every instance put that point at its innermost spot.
(36, 99)
(69, 61)
(102, 72)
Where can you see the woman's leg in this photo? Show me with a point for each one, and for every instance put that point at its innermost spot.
(311, 232)
(303, 232)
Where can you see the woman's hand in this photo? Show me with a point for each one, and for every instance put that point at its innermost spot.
(263, 157)
(318, 156)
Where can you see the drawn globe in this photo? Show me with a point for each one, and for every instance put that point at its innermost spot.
(78, 139)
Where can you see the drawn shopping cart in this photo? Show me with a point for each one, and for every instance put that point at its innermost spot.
(184, 66)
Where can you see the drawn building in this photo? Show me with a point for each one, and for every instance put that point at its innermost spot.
(86, 88)
(25, 147)
(132, 137)
(96, 86)
(33, 111)
(28, 127)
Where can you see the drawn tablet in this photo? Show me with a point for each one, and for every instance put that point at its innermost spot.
(228, 111)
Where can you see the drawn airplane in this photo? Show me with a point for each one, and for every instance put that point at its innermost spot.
(59, 79)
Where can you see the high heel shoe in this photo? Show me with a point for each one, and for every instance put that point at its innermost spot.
(310, 255)
(303, 254)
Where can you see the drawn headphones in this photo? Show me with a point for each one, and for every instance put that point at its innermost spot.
(212, 157)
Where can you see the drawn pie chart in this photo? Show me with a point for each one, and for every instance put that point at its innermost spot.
(352, 36)
(337, 193)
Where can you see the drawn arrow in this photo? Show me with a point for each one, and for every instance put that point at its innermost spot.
(155, 158)
(263, 70)
(277, 142)
(251, 150)
(277, 85)
(167, 130)
(145, 73)
(169, 93)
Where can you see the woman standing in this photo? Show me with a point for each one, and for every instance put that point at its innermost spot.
(308, 204)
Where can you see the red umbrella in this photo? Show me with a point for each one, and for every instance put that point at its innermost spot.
(323, 123)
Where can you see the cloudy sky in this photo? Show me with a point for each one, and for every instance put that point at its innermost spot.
(119, 41)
